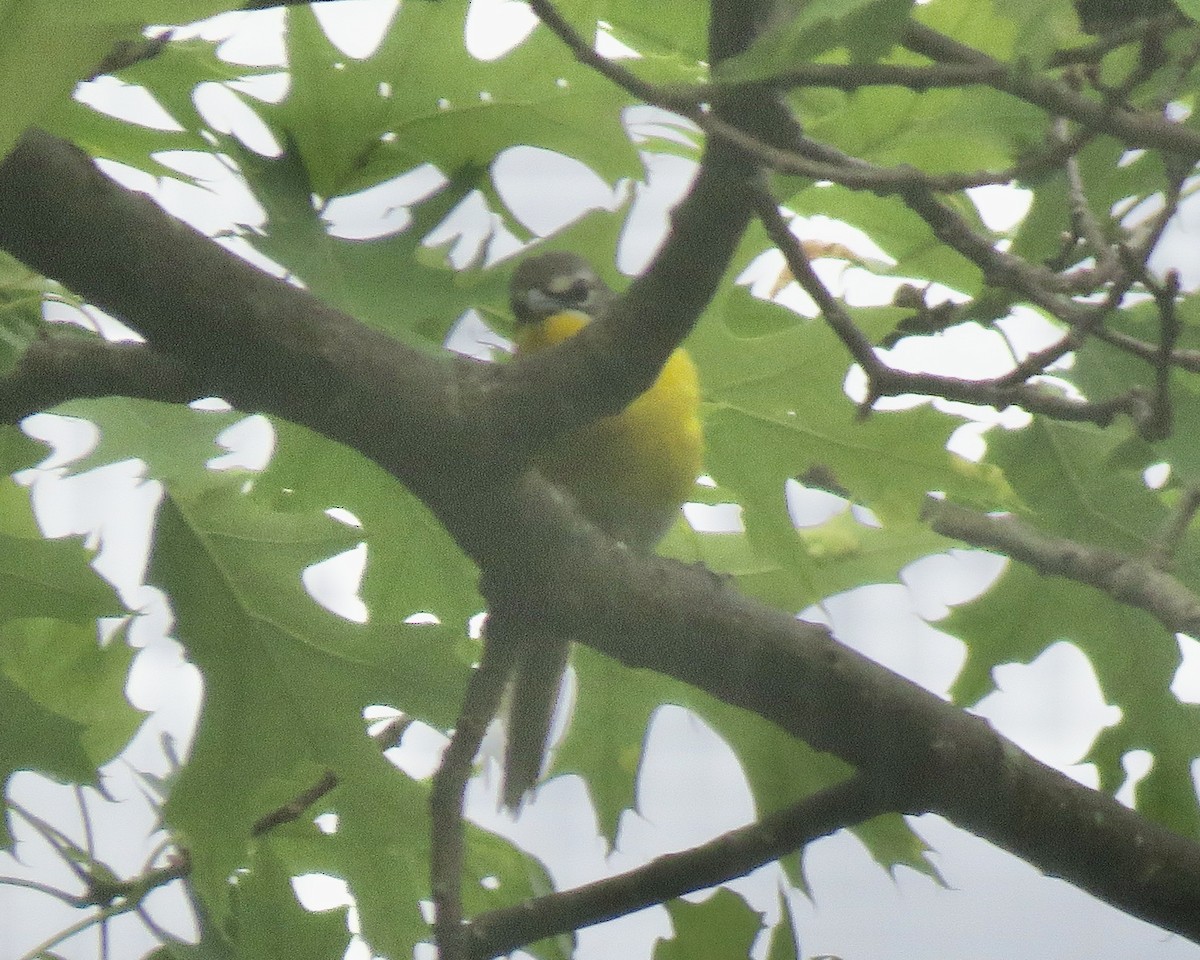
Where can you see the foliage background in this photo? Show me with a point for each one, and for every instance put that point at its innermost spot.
(286, 681)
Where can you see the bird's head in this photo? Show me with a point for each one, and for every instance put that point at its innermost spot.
(551, 283)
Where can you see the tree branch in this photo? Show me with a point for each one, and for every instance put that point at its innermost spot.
(1134, 581)
(731, 855)
(1135, 129)
(58, 368)
(798, 158)
(886, 381)
(446, 823)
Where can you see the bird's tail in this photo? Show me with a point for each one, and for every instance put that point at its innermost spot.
(537, 677)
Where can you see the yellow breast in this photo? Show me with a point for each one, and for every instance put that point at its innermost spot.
(629, 472)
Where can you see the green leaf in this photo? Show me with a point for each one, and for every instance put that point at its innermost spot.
(413, 566)
(1102, 371)
(270, 924)
(173, 75)
(176, 442)
(51, 578)
(604, 741)
(63, 667)
(867, 29)
(47, 46)
(1135, 661)
(285, 688)
(1083, 482)
(1190, 7)
(63, 710)
(38, 738)
(108, 138)
(393, 282)
(777, 410)
(902, 235)
(22, 292)
(422, 98)
(44, 51)
(679, 28)
(784, 943)
(893, 843)
(979, 24)
(724, 925)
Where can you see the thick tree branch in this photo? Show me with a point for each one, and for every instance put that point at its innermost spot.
(267, 346)
(58, 368)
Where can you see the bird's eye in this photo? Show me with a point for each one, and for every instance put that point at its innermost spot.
(577, 293)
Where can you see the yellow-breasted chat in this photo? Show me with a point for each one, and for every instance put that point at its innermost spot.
(628, 473)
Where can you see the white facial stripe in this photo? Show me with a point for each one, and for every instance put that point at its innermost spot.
(563, 284)
(540, 303)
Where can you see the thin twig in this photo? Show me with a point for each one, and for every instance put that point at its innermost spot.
(1134, 128)
(1185, 359)
(731, 855)
(294, 808)
(884, 380)
(1164, 547)
(1083, 218)
(69, 899)
(798, 263)
(1038, 284)
(1165, 295)
(42, 950)
(70, 852)
(387, 737)
(1134, 256)
(448, 792)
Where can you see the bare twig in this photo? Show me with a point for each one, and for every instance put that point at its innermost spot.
(447, 840)
(731, 855)
(1136, 129)
(1164, 547)
(883, 380)
(294, 808)
(1165, 295)
(68, 850)
(1083, 218)
(798, 263)
(1185, 359)
(69, 899)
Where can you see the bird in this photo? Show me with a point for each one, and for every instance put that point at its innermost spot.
(629, 474)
